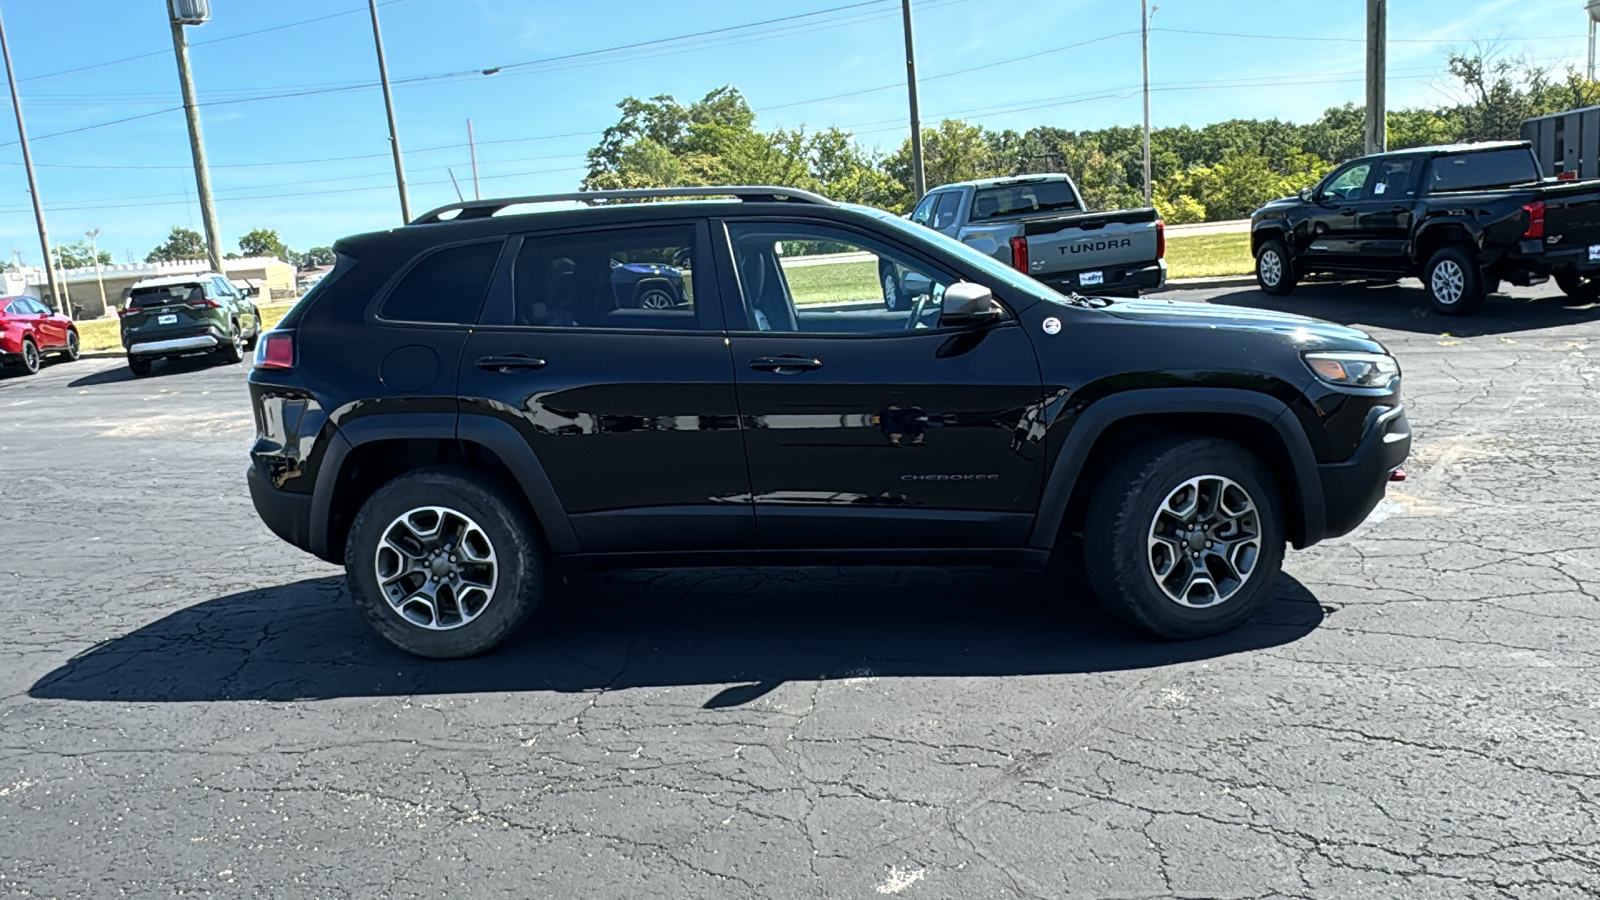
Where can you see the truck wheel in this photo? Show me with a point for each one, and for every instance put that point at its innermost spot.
(441, 565)
(1454, 282)
(1184, 537)
(1579, 287)
(1274, 270)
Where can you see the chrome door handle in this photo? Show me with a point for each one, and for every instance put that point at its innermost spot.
(515, 362)
(785, 365)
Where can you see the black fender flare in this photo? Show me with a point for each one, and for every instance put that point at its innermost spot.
(1103, 413)
(493, 435)
(1427, 227)
(504, 441)
(1265, 225)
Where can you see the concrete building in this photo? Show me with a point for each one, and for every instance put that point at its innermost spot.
(273, 278)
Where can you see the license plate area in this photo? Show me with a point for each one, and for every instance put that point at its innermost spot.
(167, 319)
(1594, 253)
(1088, 278)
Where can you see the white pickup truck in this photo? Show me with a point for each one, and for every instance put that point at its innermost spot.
(1037, 223)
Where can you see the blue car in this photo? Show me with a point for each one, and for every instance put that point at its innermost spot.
(648, 285)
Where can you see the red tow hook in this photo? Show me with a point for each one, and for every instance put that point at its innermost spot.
(1399, 474)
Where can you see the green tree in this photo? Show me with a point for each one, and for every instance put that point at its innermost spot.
(264, 242)
(181, 244)
(954, 151)
(317, 256)
(79, 255)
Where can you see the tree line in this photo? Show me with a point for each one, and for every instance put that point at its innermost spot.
(186, 243)
(1220, 171)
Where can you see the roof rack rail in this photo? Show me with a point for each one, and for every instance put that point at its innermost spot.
(483, 209)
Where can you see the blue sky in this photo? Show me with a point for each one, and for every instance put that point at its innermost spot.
(286, 162)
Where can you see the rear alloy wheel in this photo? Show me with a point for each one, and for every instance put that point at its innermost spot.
(1579, 287)
(1454, 282)
(1184, 537)
(72, 352)
(441, 565)
(233, 350)
(1274, 271)
(139, 365)
(30, 357)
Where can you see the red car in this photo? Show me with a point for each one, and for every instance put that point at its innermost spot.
(28, 330)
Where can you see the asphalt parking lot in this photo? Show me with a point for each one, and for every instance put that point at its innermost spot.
(188, 705)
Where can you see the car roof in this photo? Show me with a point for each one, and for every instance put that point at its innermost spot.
(171, 280)
(1446, 150)
(1006, 181)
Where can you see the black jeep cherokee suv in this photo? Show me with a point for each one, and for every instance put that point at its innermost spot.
(467, 402)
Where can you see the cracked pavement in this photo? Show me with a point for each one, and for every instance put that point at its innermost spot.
(189, 705)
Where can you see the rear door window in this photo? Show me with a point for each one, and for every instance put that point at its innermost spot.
(168, 295)
(446, 287)
(1489, 169)
(639, 278)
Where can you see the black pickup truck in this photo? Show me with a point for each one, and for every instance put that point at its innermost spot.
(1462, 218)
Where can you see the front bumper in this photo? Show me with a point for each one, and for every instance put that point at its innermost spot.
(1116, 279)
(1353, 488)
(200, 343)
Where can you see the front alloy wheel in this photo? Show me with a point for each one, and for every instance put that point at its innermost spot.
(73, 349)
(1271, 265)
(656, 298)
(436, 567)
(891, 291)
(1205, 539)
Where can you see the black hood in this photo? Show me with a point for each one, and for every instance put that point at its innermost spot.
(1310, 334)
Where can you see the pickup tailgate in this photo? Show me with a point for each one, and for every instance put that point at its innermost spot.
(1091, 240)
(1572, 215)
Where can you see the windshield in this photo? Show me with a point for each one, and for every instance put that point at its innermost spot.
(975, 258)
(1028, 197)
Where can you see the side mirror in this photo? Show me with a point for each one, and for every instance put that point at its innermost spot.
(1307, 195)
(967, 304)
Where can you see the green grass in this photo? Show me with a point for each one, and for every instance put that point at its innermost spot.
(834, 282)
(1209, 255)
(98, 335)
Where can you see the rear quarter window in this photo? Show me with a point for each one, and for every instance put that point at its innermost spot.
(446, 286)
(1490, 169)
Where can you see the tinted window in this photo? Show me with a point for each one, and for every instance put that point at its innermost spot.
(21, 307)
(944, 215)
(620, 278)
(144, 298)
(815, 279)
(923, 214)
(1493, 168)
(1393, 178)
(1032, 196)
(447, 286)
(223, 288)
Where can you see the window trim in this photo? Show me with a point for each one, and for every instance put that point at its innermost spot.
(733, 293)
(499, 313)
(375, 307)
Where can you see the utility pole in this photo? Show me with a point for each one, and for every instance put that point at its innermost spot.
(919, 176)
(472, 145)
(1377, 133)
(94, 250)
(197, 141)
(33, 184)
(1144, 29)
(388, 105)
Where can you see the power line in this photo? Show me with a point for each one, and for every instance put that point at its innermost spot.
(1357, 40)
(217, 40)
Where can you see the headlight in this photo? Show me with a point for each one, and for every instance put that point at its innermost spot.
(1354, 369)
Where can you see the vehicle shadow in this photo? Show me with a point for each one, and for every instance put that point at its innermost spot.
(750, 629)
(1404, 307)
(121, 374)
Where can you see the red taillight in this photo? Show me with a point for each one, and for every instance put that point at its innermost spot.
(126, 311)
(1161, 240)
(1019, 254)
(276, 351)
(1535, 219)
(1567, 176)
(202, 304)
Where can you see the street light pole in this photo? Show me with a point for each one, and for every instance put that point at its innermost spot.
(33, 184)
(197, 147)
(1144, 30)
(388, 105)
(919, 175)
(94, 250)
